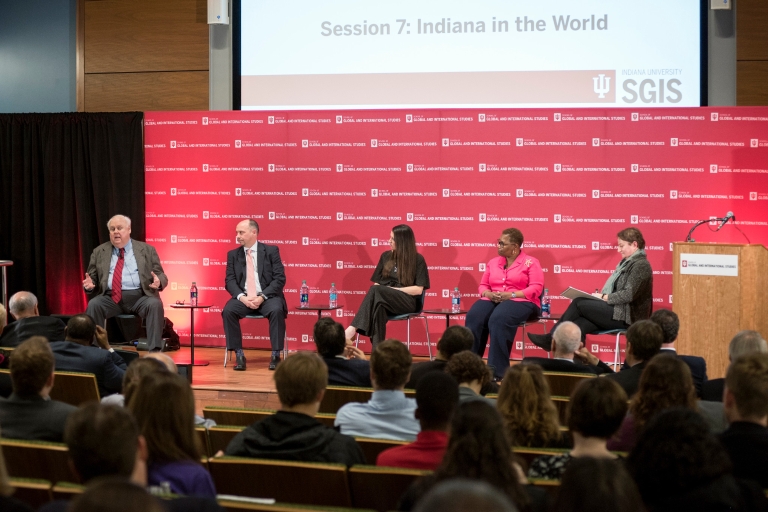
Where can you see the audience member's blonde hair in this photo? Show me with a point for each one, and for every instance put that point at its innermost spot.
(300, 379)
(529, 415)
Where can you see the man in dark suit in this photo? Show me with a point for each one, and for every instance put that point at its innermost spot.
(670, 326)
(125, 276)
(644, 339)
(746, 406)
(570, 355)
(255, 280)
(745, 342)
(23, 307)
(353, 370)
(76, 354)
(29, 413)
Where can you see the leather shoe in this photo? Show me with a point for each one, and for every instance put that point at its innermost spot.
(240, 366)
(273, 362)
(541, 340)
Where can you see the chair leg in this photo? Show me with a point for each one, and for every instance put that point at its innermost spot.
(523, 338)
(285, 346)
(429, 343)
(226, 356)
(616, 351)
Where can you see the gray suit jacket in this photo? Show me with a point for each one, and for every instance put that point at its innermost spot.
(33, 418)
(146, 259)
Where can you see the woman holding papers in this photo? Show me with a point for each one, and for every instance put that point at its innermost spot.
(509, 295)
(626, 297)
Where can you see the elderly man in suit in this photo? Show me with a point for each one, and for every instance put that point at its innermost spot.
(125, 276)
(23, 306)
(570, 354)
(255, 280)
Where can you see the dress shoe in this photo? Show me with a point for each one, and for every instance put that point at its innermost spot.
(541, 340)
(273, 362)
(240, 366)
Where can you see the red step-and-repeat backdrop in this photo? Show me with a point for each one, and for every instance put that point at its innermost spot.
(328, 186)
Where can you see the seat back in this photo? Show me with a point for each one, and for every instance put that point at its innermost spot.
(235, 415)
(241, 503)
(202, 436)
(336, 396)
(561, 403)
(65, 491)
(563, 384)
(373, 447)
(380, 488)
(33, 492)
(220, 436)
(529, 454)
(37, 459)
(321, 484)
(75, 388)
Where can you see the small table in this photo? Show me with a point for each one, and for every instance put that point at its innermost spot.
(319, 308)
(447, 312)
(4, 264)
(192, 309)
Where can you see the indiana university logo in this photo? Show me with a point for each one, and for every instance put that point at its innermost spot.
(602, 85)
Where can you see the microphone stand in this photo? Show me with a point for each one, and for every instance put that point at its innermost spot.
(689, 239)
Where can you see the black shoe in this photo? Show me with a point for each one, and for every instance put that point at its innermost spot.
(541, 340)
(273, 362)
(240, 366)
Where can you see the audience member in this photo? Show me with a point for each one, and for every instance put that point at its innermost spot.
(597, 485)
(75, 354)
(745, 342)
(437, 395)
(332, 345)
(570, 354)
(23, 307)
(168, 427)
(530, 417)
(670, 327)
(293, 433)
(455, 339)
(116, 495)
(29, 413)
(478, 450)
(679, 465)
(388, 414)
(644, 339)
(465, 495)
(595, 412)
(471, 373)
(3, 317)
(7, 502)
(133, 375)
(746, 405)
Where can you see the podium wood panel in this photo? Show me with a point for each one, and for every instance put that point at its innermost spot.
(714, 308)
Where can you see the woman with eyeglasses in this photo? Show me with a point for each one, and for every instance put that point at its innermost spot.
(398, 282)
(509, 295)
(626, 297)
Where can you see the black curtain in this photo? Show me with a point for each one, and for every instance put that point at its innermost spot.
(62, 176)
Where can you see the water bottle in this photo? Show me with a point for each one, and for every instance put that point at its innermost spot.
(333, 302)
(304, 294)
(545, 301)
(455, 300)
(193, 294)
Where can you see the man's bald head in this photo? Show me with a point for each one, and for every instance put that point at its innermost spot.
(165, 359)
(119, 231)
(80, 329)
(567, 338)
(23, 305)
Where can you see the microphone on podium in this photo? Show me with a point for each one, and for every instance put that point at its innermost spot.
(728, 216)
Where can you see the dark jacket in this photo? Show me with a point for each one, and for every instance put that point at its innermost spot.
(33, 418)
(21, 330)
(348, 372)
(629, 379)
(108, 367)
(419, 370)
(269, 266)
(632, 298)
(296, 437)
(698, 368)
(562, 365)
(712, 390)
(747, 445)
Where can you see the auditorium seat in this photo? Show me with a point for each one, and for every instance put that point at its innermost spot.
(72, 388)
(38, 459)
(220, 436)
(380, 488)
(242, 503)
(551, 486)
(291, 482)
(563, 384)
(373, 447)
(66, 491)
(243, 416)
(529, 454)
(33, 492)
(561, 403)
(202, 435)
(336, 396)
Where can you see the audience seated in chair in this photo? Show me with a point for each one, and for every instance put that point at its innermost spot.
(644, 339)
(478, 450)
(388, 414)
(597, 485)
(746, 405)
(670, 326)
(455, 339)
(745, 342)
(168, 427)
(104, 441)
(471, 373)
(530, 417)
(465, 495)
(437, 395)
(116, 495)
(347, 366)
(293, 433)
(76, 354)
(7, 502)
(570, 355)
(678, 465)
(29, 322)
(29, 413)
(595, 412)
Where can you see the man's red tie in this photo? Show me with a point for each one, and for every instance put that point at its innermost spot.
(117, 278)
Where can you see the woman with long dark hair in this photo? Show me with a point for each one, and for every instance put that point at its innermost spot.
(398, 282)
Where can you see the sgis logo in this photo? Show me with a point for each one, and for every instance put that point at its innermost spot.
(271, 120)
(635, 168)
(558, 218)
(633, 219)
(595, 347)
(518, 345)
(635, 116)
(374, 242)
(339, 215)
(595, 246)
(673, 194)
(556, 269)
(446, 192)
(684, 263)
(481, 167)
(339, 313)
(595, 194)
(174, 286)
(481, 217)
(205, 121)
(409, 217)
(481, 267)
(519, 141)
(304, 143)
(305, 192)
(673, 142)
(446, 143)
(595, 141)
(205, 167)
(408, 167)
(238, 192)
(753, 143)
(339, 265)
(174, 239)
(271, 216)
(374, 192)
(305, 240)
(519, 192)
(173, 191)
(271, 168)
(339, 167)
(446, 294)
(206, 215)
(480, 118)
(374, 143)
(670, 298)
(305, 338)
(713, 169)
(558, 167)
(753, 196)
(408, 118)
(238, 143)
(713, 116)
(173, 144)
(206, 262)
(339, 120)
(557, 117)
(446, 242)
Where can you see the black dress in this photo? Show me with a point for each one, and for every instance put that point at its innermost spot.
(381, 300)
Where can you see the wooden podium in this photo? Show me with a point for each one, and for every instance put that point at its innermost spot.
(713, 308)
